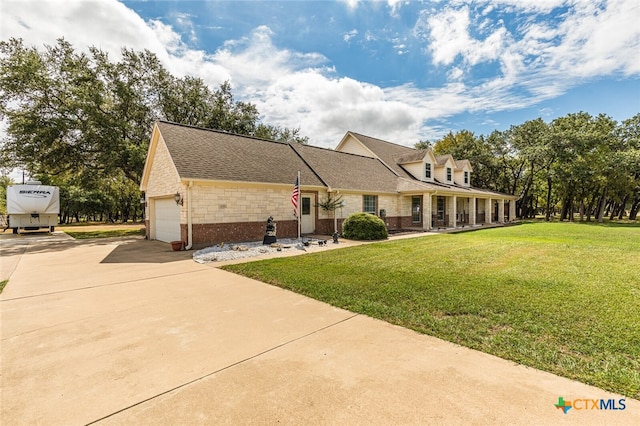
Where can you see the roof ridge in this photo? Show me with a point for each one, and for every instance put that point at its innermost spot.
(382, 140)
(338, 152)
(222, 132)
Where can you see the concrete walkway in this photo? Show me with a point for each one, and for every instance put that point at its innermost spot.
(125, 331)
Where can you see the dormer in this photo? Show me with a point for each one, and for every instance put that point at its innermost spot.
(420, 164)
(462, 173)
(445, 167)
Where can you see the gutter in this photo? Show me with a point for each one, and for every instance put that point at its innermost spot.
(189, 221)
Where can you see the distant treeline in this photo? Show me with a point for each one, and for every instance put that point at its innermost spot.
(576, 164)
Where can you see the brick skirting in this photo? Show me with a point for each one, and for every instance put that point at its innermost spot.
(215, 233)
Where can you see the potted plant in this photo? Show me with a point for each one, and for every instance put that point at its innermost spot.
(177, 245)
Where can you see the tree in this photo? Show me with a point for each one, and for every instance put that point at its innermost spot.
(4, 182)
(331, 204)
(529, 140)
(86, 120)
(424, 145)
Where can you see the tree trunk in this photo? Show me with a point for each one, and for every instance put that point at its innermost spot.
(623, 204)
(603, 200)
(548, 214)
(613, 210)
(635, 206)
(581, 210)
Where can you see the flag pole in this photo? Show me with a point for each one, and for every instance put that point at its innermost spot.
(299, 205)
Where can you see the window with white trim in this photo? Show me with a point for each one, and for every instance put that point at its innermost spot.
(466, 178)
(448, 174)
(427, 170)
(370, 204)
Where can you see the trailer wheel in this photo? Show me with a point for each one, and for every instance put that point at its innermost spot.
(52, 228)
(15, 230)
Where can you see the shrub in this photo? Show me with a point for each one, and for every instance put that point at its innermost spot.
(364, 226)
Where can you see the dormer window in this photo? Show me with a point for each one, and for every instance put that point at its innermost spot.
(466, 178)
(427, 170)
(448, 174)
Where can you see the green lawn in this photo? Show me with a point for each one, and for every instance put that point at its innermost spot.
(104, 233)
(560, 297)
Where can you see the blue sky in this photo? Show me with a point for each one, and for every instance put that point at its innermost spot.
(403, 71)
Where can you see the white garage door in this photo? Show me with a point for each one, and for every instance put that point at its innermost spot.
(167, 220)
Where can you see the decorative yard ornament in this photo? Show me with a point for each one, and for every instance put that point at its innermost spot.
(270, 234)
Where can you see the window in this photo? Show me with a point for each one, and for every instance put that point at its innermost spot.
(306, 206)
(416, 205)
(440, 208)
(427, 170)
(466, 178)
(370, 204)
(448, 174)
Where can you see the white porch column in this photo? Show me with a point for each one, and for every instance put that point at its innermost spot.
(472, 211)
(426, 212)
(454, 210)
(488, 210)
(512, 210)
(501, 210)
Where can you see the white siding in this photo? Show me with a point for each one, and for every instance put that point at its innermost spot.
(352, 146)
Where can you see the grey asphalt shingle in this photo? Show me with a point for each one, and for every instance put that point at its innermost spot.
(206, 154)
(388, 152)
(214, 155)
(349, 171)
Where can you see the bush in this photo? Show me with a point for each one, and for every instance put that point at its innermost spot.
(364, 226)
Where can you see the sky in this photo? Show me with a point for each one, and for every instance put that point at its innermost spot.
(402, 71)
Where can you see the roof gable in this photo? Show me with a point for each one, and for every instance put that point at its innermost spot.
(158, 155)
(387, 152)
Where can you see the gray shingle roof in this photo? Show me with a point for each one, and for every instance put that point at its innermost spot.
(388, 152)
(348, 171)
(213, 155)
(410, 158)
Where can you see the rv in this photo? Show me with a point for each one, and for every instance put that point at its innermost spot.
(33, 206)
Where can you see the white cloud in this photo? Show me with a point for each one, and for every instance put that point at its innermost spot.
(107, 24)
(590, 40)
(450, 37)
(351, 4)
(300, 89)
(349, 35)
(395, 5)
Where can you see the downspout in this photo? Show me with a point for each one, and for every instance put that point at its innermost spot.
(189, 222)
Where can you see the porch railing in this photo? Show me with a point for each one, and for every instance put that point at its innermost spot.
(480, 218)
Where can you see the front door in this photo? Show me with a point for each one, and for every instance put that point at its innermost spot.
(307, 213)
(416, 210)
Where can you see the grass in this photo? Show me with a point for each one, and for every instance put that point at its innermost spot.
(105, 233)
(561, 297)
(2, 284)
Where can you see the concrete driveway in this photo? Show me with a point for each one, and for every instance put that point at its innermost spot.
(127, 332)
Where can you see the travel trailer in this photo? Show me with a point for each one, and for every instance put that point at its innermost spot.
(33, 206)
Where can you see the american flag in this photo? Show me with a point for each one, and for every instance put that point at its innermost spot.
(295, 196)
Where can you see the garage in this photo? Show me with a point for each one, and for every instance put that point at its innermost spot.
(167, 220)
